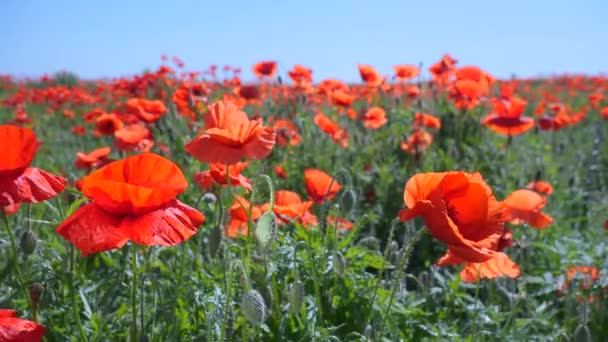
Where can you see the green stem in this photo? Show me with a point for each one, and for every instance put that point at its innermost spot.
(315, 277)
(377, 285)
(134, 336)
(20, 280)
(227, 304)
(405, 258)
(75, 312)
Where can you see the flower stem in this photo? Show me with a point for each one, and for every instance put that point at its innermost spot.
(405, 258)
(75, 312)
(11, 237)
(134, 293)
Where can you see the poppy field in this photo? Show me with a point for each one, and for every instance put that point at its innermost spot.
(431, 203)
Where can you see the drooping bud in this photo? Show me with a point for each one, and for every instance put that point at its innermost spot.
(295, 296)
(347, 201)
(253, 307)
(582, 334)
(29, 242)
(36, 290)
(338, 263)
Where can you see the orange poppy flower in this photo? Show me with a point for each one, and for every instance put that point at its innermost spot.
(418, 142)
(506, 118)
(265, 69)
(230, 136)
(78, 130)
(288, 207)
(146, 110)
(370, 76)
(375, 118)
(131, 136)
(287, 132)
(18, 181)
(443, 69)
(217, 175)
(13, 329)
(525, 206)
(541, 187)
(93, 159)
(327, 125)
(280, 172)
(427, 120)
(406, 72)
(459, 209)
(320, 186)
(93, 115)
(238, 216)
(107, 124)
(132, 199)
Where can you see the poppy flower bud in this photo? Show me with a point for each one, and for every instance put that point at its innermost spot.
(538, 176)
(253, 307)
(338, 263)
(348, 201)
(295, 296)
(29, 242)
(36, 290)
(582, 334)
(268, 295)
(215, 240)
(280, 80)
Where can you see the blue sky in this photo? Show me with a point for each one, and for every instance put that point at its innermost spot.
(113, 38)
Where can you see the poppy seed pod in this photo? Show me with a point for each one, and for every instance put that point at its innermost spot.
(253, 307)
(295, 296)
(29, 242)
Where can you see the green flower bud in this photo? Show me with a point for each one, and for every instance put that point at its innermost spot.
(29, 242)
(253, 307)
(295, 296)
(338, 263)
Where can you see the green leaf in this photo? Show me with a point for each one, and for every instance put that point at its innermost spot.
(367, 258)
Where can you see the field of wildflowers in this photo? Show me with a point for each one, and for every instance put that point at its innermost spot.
(193, 206)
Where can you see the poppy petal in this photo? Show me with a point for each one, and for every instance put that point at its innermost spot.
(167, 226)
(33, 185)
(92, 230)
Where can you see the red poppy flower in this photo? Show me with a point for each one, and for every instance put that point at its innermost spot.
(525, 206)
(406, 72)
(300, 74)
(553, 123)
(289, 207)
(320, 186)
(280, 172)
(541, 187)
(459, 209)
(500, 265)
(231, 136)
(132, 199)
(93, 159)
(18, 181)
(13, 329)
(130, 137)
(342, 98)
(370, 76)
(327, 125)
(604, 113)
(265, 69)
(107, 124)
(427, 120)
(238, 216)
(375, 118)
(287, 132)
(146, 110)
(506, 118)
(217, 175)
(11, 209)
(418, 142)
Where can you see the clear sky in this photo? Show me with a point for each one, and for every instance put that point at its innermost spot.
(110, 38)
